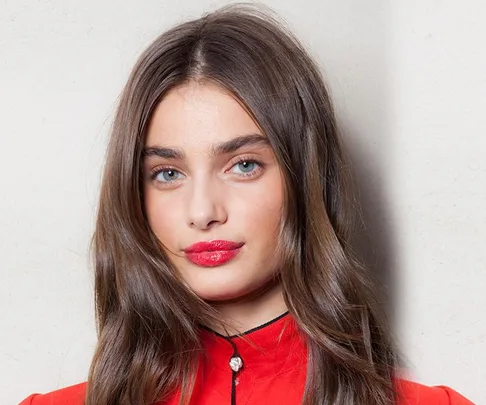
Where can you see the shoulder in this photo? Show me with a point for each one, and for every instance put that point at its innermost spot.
(413, 393)
(73, 395)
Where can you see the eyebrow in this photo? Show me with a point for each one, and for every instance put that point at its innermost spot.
(220, 148)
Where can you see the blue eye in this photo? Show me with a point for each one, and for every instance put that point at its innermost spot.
(166, 175)
(246, 166)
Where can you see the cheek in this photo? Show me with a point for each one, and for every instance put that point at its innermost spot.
(162, 216)
(261, 208)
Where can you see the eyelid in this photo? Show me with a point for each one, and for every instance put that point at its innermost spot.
(158, 168)
(245, 158)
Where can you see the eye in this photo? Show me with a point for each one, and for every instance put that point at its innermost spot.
(246, 167)
(166, 175)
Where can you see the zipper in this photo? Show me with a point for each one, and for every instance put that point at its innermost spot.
(236, 364)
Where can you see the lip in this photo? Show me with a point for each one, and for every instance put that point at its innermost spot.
(212, 253)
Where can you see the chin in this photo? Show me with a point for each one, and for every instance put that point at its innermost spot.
(214, 294)
(214, 290)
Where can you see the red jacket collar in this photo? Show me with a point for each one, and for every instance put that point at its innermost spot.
(266, 350)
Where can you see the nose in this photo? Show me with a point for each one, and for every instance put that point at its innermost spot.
(206, 206)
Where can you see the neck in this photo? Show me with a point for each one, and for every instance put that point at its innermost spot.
(251, 311)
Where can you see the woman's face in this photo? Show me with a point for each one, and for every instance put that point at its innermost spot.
(211, 175)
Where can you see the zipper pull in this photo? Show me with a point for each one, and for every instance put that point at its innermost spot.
(236, 363)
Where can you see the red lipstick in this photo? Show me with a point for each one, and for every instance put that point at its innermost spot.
(212, 253)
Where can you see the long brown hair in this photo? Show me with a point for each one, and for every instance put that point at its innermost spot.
(147, 319)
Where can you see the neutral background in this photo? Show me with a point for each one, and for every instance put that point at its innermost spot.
(409, 82)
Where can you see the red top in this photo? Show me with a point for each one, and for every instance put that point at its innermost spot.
(273, 371)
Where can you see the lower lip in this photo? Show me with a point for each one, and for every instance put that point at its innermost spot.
(212, 259)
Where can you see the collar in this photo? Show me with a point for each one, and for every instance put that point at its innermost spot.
(266, 350)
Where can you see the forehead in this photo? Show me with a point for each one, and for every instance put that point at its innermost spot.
(198, 114)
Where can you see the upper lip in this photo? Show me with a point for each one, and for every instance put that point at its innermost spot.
(212, 245)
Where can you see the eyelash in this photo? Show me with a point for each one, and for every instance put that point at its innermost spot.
(156, 171)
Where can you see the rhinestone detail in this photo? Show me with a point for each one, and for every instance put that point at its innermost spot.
(236, 363)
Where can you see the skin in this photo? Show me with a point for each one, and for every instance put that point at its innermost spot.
(203, 196)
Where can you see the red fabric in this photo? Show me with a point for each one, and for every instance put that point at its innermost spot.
(274, 370)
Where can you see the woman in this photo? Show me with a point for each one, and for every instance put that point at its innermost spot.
(224, 273)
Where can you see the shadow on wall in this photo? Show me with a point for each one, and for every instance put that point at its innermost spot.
(374, 237)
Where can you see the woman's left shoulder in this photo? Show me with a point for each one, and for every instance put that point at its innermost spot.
(414, 393)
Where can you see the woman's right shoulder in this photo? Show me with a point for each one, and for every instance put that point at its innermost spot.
(73, 395)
